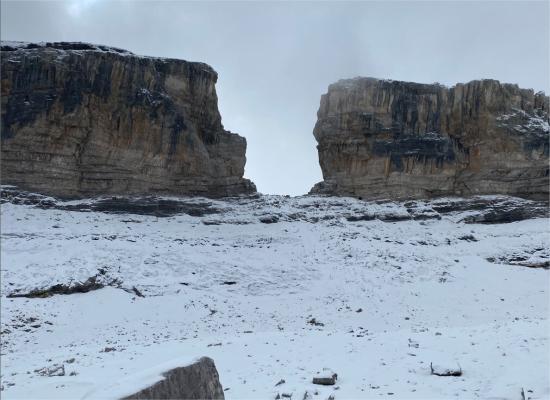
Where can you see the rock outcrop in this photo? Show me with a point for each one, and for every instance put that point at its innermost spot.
(390, 139)
(196, 381)
(81, 120)
(273, 209)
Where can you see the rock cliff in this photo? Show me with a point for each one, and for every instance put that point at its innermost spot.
(391, 139)
(80, 120)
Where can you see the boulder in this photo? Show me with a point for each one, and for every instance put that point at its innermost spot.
(196, 381)
(383, 139)
(80, 120)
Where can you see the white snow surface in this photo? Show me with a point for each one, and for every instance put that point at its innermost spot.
(389, 298)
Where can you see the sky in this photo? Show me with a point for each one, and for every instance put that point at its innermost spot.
(276, 59)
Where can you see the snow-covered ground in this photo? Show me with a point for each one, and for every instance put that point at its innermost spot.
(374, 301)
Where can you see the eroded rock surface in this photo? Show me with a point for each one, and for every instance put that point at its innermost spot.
(391, 139)
(80, 120)
(196, 381)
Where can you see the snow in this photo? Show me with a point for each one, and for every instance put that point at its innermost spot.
(19, 45)
(392, 297)
(14, 43)
(536, 122)
(529, 122)
(61, 52)
(351, 83)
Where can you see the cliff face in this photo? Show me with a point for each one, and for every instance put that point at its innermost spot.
(81, 120)
(390, 139)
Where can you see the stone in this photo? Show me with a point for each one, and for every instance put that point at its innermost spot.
(95, 282)
(270, 219)
(80, 120)
(54, 370)
(326, 379)
(383, 139)
(199, 380)
(537, 257)
(443, 371)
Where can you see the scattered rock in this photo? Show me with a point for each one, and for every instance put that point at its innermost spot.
(530, 258)
(54, 370)
(314, 322)
(468, 238)
(441, 371)
(365, 217)
(92, 283)
(325, 379)
(272, 219)
(137, 292)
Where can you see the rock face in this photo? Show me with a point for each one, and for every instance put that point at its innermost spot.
(196, 381)
(80, 120)
(389, 139)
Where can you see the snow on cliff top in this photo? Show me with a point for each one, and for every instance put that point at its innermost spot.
(7, 46)
(18, 45)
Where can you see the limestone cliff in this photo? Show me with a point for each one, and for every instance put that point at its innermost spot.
(391, 139)
(80, 120)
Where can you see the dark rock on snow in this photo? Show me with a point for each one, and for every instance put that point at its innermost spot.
(199, 380)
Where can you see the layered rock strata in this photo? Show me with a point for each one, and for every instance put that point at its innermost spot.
(81, 120)
(390, 139)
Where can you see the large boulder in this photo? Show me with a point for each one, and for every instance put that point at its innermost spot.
(390, 139)
(80, 120)
(196, 381)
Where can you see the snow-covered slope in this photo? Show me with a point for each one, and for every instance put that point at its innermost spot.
(363, 289)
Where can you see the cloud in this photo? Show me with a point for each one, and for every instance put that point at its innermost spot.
(76, 8)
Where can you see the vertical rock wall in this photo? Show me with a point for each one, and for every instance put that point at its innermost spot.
(391, 139)
(82, 120)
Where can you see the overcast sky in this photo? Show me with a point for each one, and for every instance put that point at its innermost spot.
(274, 60)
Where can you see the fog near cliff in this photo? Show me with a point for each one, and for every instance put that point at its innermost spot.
(276, 59)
